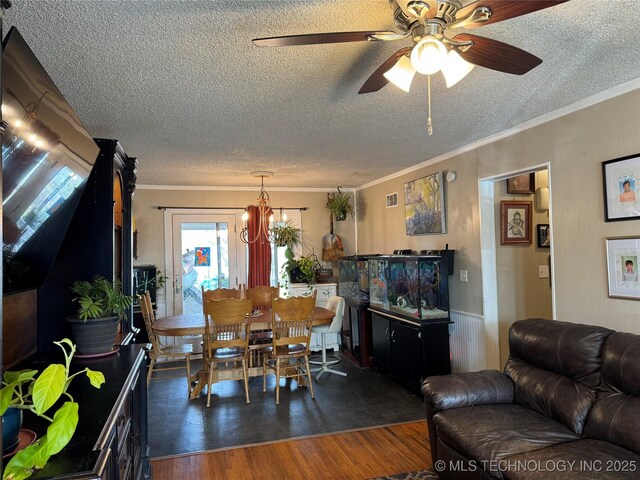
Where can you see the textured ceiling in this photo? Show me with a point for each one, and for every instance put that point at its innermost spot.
(180, 84)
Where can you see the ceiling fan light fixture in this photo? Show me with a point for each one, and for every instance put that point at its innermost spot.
(401, 74)
(455, 68)
(429, 55)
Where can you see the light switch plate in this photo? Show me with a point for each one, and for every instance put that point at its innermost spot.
(543, 271)
(464, 277)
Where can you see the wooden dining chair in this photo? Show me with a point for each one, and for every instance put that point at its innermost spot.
(220, 293)
(160, 351)
(226, 340)
(261, 299)
(288, 355)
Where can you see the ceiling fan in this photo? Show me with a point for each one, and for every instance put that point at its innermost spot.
(436, 47)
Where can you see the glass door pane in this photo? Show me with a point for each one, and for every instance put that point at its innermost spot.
(204, 256)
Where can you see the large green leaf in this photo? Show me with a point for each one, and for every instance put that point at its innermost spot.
(22, 464)
(63, 427)
(96, 378)
(21, 376)
(5, 397)
(48, 387)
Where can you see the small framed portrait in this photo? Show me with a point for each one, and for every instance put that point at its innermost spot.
(392, 200)
(623, 257)
(515, 223)
(621, 177)
(543, 235)
(525, 183)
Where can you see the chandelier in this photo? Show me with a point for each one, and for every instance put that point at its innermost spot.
(265, 218)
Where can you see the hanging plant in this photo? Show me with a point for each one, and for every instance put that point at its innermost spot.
(339, 205)
(286, 235)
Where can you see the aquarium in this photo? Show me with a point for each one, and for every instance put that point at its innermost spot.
(353, 278)
(378, 271)
(413, 285)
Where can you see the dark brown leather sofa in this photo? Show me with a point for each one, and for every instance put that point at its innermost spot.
(566, 406)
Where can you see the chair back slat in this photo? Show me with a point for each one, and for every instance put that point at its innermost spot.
(147, 314)
(227, 324)
(219, 294)
(292, 319)
(262, 296)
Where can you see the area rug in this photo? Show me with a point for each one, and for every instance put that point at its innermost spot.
(419, 475)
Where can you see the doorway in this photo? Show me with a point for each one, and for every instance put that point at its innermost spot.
(517, 280)
(203, 250)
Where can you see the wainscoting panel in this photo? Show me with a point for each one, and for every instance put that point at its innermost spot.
(466, 340)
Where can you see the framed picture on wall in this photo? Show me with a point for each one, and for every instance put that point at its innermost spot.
(525, 183)
(424, 205)
(543, 235)
(623, 257)
(515, 223)
(621, 177)
(392, 200)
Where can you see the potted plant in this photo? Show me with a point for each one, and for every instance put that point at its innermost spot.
(339, 206)
(302, 269)
(286, 235)
(25, 390)
(101, 304)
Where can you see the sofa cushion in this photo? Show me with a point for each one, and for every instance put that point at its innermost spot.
(492, 432)
(615, 416)
(555, 367)
(586, 459)
(569, 349)
(554, 396)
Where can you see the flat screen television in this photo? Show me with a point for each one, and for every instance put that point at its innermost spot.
(47, 156)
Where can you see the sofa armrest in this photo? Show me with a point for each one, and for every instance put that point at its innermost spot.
(463, 390)
(467, 389)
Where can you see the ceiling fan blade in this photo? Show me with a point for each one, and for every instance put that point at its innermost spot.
(505, 9)
(316, 38)
(377, 80)
(496, 55)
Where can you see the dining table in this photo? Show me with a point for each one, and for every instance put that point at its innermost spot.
(191, 324)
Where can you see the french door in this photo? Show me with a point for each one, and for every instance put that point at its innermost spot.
(205, 251)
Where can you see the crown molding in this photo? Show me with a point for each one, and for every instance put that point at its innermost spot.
(239, 189)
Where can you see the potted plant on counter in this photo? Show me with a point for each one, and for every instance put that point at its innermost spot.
(302, 269)
(339, 205)
(25, 390)
(101, 305)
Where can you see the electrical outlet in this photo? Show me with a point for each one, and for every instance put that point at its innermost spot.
(464, 277)
(543, 271)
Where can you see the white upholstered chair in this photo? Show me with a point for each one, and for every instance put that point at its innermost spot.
(335, 304)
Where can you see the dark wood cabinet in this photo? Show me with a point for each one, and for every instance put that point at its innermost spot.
(356, 333)
(98, 242)
(410, 351)
(111, 440)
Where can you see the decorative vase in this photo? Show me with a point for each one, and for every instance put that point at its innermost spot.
(324, 275)
(341, 216)
(11, 423)
(95, 335)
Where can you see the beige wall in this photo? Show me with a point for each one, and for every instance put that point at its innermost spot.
(150, 220)
(382, 230)
(575, 146)
(521, 294)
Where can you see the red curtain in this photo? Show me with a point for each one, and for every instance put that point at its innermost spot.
(259, 251)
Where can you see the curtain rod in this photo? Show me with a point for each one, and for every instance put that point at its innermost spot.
(302, 209)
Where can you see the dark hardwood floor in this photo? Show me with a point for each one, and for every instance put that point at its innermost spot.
(353, 455)
(363, 399)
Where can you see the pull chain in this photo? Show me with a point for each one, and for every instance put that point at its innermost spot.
(429, 124)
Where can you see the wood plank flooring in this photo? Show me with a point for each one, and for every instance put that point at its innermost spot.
(356, 455)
